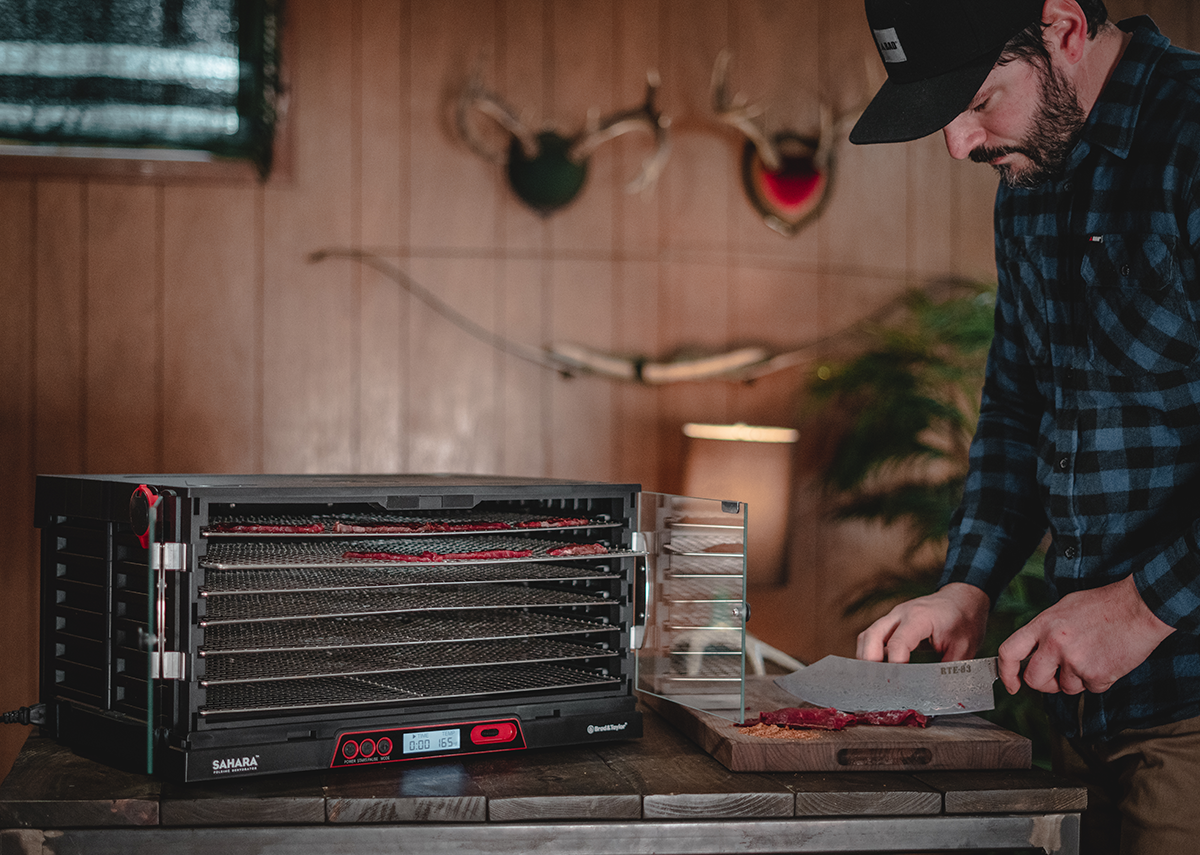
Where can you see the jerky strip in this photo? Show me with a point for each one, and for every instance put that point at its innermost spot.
(579, 549)
(816, 718)
(416, 528)
(266, 528)
(433, 557)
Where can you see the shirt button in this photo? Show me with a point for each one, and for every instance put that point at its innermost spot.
(1070, 552)
(1063, 463)
(1124, 269)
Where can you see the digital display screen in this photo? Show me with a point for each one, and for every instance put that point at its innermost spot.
(431, 740)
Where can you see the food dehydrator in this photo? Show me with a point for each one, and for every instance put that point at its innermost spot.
(214, 626)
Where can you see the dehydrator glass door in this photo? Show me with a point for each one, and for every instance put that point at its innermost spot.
(155, 618)
(692, 648)
(165, 561)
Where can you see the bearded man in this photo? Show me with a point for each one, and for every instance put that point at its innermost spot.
(1090, 420)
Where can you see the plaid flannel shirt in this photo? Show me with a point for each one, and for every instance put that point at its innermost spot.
(1090, 422)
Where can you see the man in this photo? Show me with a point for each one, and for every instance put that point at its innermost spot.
(1090, 419)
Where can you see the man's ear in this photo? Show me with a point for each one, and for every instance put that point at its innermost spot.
(1064, 29)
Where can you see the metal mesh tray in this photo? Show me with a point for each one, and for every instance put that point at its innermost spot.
(702, 589)
(327, 525)
(228, 555)
(332, 663)
(728, 566)
(714, 545)
(219, 582)
(390, 630)
(710, 664)
(309, 604)
(277, 696)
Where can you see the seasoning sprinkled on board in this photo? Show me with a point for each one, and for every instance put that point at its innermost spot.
(771, 731)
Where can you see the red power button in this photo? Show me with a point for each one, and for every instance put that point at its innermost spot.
(487, 734)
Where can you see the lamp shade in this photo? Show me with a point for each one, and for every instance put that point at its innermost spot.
(748, 464)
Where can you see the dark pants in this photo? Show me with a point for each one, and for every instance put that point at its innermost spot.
(1143, 790)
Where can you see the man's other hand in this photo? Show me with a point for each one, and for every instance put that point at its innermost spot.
(953, 619)
(1087, 640)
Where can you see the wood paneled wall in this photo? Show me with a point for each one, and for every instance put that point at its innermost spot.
(179, 325)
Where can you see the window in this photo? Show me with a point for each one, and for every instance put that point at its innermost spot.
(139, 79)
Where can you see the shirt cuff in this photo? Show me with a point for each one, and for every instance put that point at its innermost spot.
(1169, 583)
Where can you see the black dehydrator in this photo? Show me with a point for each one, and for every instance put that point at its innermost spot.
(214, 626)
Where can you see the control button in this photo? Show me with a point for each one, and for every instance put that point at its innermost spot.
(486, 734)
(350, 749)
(384, 746)
(367, 747)
(142, 503)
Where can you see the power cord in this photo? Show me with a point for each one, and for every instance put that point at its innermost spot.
(35, 714)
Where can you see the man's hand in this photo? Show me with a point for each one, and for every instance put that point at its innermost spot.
(953, 619)
(1087, 640)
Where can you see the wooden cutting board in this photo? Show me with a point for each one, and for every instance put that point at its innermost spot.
(949, 742)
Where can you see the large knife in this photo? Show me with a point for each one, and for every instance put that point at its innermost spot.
(933, 688)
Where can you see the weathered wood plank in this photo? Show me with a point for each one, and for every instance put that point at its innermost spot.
(422, 791)
(52, 787)
(21, 841)
(1006, 791)
(553, 784)
(1057, 833)
(679, 780)
(294, 799)
(860, 794)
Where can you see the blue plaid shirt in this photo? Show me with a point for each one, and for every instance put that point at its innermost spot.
(1090, 424)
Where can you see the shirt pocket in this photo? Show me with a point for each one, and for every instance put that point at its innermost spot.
(1140, 317)
(1024, 313)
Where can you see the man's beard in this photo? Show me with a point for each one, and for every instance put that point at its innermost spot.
(1056, 127)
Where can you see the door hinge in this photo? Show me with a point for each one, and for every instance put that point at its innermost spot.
(165, 558)
(168, 666)
(169, 556)
(649, 542)
(163, 664)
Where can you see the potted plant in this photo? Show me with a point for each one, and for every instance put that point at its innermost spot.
(898, 414)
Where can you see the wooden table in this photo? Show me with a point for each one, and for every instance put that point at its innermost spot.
(661, 794)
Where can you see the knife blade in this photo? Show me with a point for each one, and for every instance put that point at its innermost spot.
(931, 688)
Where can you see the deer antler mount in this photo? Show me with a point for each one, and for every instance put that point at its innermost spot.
(546, 169)
(785, 174)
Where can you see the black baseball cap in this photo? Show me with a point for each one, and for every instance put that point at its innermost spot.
(937, 54)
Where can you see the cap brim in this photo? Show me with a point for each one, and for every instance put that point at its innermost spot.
(900, 112)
